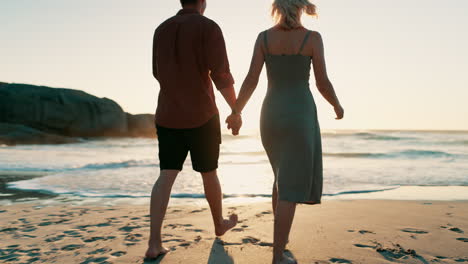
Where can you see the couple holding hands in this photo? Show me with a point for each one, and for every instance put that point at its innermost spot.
(189, 53)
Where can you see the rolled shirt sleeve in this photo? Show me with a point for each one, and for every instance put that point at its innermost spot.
(217, 58)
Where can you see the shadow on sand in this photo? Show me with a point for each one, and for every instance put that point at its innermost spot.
(154, 261)
(219, 254)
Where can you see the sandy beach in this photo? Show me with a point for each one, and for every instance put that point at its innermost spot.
(340, 231)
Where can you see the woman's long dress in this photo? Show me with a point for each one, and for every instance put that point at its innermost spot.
(289, 128)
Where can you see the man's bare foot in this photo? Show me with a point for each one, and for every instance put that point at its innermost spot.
(285, 260)
(226, 225)
(154, 252)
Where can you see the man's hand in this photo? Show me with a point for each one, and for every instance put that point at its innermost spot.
(234, 123)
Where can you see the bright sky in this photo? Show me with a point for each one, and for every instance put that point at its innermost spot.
(395, 64)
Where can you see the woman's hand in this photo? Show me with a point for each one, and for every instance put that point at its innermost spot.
(339, 111)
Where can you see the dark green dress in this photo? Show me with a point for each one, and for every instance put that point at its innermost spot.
(289, 127)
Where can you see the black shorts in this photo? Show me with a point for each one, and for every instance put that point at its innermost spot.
(202, 143)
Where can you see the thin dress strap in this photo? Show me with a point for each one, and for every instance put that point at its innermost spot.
(265, 40)
(304, 42)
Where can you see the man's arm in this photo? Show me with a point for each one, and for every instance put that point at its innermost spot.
(217, 59)
(220, 73)
(155, 63)
(234, 121)
(229, 95)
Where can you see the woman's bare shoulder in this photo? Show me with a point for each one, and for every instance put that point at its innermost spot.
(315, 37)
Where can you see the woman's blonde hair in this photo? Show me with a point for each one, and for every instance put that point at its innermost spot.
(287, 13)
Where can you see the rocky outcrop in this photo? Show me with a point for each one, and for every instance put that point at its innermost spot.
(61, 111)
(67, 113)
(141, 125)
(13, 134)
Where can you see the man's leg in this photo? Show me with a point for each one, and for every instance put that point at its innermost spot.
(159, 200)
(214, 196)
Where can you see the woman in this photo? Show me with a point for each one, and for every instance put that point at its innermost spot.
(289, 128)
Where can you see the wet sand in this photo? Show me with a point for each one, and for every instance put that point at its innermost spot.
(341, 231)
(19, 195)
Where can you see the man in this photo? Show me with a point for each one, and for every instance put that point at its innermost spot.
(188, 54)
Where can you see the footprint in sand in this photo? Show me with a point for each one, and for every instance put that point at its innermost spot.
(118, 253)
(224, 243)
(340, 260)
(10, 253)
(23, 220)
(173, 240)
(255, 241)
(100, 251)
(251, 240)
(456, 230)
(9, 229)
(263, 213)
(58, 215)
(133, 237)
(95, 260)
(185, 244)
(364, 246)
(94, 239)
(72, 247)
(362, 232)
(265, 244)
(83, 227)
(198, 211)
(237, 230)
(47, 223)
(194, 230)
(72, 233)
(54, 239)
(395, 253)
(174, 226)
(414, 231)
(129, 228)
(28, 228)
(23, 235)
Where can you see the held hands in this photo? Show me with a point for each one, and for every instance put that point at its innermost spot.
(234, 122)
(339, 112)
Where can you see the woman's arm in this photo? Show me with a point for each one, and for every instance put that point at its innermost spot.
(251, 80)
(321, 77)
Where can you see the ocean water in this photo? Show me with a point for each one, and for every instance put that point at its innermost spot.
(354, 162)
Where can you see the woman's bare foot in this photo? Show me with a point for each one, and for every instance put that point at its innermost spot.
(226, 225)
(154, 252)
(285, 260)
